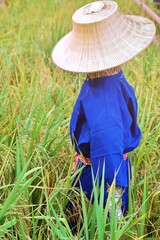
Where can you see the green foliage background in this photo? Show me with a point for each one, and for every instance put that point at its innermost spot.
(36, 101)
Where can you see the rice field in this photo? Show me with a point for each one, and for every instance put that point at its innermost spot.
(36, 156)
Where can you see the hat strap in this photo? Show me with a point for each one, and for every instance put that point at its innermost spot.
(107, 72)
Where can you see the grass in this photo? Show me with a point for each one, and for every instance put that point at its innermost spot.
(36, 101)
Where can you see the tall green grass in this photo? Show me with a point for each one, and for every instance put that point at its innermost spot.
(36, 101)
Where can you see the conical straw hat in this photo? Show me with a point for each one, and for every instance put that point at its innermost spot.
(102, 38)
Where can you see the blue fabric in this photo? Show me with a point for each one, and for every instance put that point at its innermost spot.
(104, 125)
(85, 181)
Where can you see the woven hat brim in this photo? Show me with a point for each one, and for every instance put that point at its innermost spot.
(113, 48)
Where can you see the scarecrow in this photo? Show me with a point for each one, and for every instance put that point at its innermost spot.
(103, 126)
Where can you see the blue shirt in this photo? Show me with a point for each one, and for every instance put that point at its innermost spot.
(104, 124)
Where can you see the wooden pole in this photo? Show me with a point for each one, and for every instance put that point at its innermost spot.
(148, 10)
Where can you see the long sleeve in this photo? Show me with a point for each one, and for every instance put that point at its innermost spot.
(129, 111)
(79, 130)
